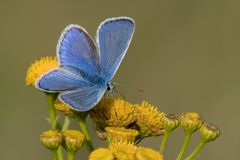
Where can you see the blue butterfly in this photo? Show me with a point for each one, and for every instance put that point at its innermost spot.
(87, 68)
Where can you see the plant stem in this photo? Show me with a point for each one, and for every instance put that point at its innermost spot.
(51, 97)
(138, 139)
(54, 154)
(195, 152)
(164, 141)
(59, 153)
(70, 156)
(184, 146)
(66, 123)
(82, 124)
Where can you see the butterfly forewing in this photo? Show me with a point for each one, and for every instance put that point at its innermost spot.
(76, 49)
(113, 37)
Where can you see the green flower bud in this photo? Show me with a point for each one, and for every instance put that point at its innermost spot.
(73, 140)
(209, 132)
(191, 121)
(51, 139)
(170, 121)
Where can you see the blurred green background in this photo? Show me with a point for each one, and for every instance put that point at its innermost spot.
(184, 55)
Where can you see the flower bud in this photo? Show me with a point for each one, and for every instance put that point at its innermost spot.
(116, 134)
(148, 154)
(190, 121)
(101, 154)
(170, 121)
(209, 132)
(73, 140)
(51, 139)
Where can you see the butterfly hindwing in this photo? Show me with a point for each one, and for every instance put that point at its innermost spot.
(84, 98)
(113, 37)
(60, 80)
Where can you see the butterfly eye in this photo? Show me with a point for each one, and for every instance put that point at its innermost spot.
(110, 87)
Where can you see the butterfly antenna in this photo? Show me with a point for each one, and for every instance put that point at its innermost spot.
(118, 84)
(120, 94)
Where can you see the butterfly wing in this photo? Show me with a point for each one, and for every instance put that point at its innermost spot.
(79, 62)
(60, 80)
(82, 99)
(113, 37)
(77, 50)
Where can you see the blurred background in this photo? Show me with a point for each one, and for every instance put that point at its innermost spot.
(184, 55)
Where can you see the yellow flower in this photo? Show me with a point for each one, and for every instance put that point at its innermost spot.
(101, 154)
(123, 150)
(148, 154)
(40, 67)
(113, 112)
(60, 106)
(149, 119)
(116, 134)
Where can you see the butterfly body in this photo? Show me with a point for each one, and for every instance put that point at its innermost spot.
(87, 67)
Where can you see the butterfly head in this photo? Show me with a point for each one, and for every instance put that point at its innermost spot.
(110, 87)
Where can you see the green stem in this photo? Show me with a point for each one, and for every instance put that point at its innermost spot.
(51, 97)
(59, 153)
(184, 146)
(54, 154)
(82, 124)
(195, 152)
(70, 156)
(138, 140)
(66, 123)
(164, 141)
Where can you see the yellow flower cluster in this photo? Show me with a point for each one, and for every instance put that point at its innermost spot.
(124, 124)
(113, 112)
(39, 67)
(125, 151)
(143, 117)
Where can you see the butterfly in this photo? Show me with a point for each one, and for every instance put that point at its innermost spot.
(86, 67)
